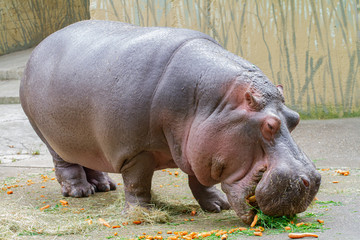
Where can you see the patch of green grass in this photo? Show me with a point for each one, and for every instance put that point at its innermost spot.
(270, 222)
(318, 159)
(36, 152)
(29, 233)
(277, 224)
(310, 214)
(329, 203)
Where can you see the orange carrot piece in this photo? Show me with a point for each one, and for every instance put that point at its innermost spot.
(224, 237)
(63, 202)
(173, 238)
(258, 234)
(252, 199)
(302, 235)
(44, 207)
(254, 221)
(221, 232)
(10, 192)
(89, 221)
(105, 223)
(136, 222)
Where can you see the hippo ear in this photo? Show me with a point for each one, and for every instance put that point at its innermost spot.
(281, 89)
(251, 100)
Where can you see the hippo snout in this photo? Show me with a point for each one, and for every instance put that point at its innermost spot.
(283, 192)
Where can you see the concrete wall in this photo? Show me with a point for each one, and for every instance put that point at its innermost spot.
(24, 23)
(310, 47)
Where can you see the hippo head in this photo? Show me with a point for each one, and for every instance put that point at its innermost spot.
(245, 144)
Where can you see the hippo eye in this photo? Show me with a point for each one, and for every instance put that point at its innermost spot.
(270, 127)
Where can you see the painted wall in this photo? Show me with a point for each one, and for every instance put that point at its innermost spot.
(24, 23)
(311, 47)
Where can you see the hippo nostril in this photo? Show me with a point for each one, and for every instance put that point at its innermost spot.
(306, 182)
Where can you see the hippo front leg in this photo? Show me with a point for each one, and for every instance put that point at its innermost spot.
(209, 198)
(137, 175)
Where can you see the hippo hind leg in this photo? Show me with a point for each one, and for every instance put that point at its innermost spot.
(79, 181)
(100, 180)
(76, 180)
(72, 178)
(209, 198)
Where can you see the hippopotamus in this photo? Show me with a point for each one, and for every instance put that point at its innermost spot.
(111, 97)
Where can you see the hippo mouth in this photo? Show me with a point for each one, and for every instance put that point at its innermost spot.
(250, 198)
(285, 193)
(281, 193)
(273, 192)
(241, 195)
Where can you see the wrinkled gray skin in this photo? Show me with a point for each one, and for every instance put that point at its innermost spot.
(112, 97)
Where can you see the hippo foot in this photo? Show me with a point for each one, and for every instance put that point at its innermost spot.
(130, 209)
(213, 200)
(77, 181)
(77, 189)
(99, 180)
(209, 198)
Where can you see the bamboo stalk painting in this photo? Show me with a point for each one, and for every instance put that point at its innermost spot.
(312, 47)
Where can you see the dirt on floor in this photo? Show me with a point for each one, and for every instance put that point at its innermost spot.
(21, 216)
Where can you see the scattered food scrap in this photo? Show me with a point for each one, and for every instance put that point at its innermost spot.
(343, 172)
(64, 203)
(44, 207)
(302, 235)
(105, 223)
(254, 221)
